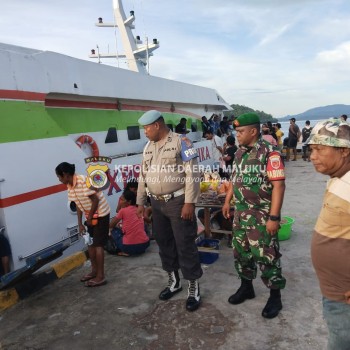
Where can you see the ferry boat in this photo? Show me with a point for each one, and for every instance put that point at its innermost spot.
(56, 108)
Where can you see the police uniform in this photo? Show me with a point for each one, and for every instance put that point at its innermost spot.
(169, 176)
(255, 169)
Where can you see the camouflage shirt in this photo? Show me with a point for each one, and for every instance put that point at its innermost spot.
(255, 169)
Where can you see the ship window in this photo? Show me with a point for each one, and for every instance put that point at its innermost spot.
(170, 126)
(111, 135)
(133, 132)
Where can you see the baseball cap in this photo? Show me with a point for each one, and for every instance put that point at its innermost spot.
(332, 132)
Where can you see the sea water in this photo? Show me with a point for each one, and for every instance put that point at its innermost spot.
(300, 123)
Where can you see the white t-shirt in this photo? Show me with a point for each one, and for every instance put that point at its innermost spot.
(217, 142)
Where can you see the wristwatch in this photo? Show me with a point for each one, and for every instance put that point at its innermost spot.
(275, 218)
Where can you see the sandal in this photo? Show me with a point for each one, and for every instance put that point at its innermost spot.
(87, 277)
(122, 254)
(93, 283)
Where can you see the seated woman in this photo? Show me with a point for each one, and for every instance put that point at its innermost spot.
(132, 238)
(268, 137)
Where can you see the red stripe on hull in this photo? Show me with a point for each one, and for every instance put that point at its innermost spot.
(79, 104)
(22, 95)
(37, 96)
(29, 196)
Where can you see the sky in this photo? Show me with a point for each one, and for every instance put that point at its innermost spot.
(282, 57)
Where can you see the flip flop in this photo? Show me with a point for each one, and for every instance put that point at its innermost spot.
(87, 277)
(93, 283)
(122, 254)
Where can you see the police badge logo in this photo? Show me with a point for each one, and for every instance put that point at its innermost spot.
(97, 178)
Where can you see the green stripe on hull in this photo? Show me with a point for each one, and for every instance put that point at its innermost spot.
(21, 121)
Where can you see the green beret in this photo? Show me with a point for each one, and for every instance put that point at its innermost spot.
(246, 119)
(149, 117)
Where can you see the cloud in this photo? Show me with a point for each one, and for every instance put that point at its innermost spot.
(274, 35)
(282, 57)
(339, 55)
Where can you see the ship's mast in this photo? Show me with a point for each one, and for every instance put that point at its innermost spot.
(135, 52)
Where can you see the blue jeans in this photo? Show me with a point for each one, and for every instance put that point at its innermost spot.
(337, 316)
(131, 249)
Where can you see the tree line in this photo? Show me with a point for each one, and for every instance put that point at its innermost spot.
(239, 109)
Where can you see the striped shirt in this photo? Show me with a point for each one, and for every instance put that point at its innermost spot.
(79, 193)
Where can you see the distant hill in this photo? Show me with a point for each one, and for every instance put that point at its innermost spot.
(239, 109)
(320, 113)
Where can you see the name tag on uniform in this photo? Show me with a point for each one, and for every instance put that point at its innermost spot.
(188, 151)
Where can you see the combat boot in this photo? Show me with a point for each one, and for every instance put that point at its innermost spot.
(173, 287)
(245, 291)
(273, 305)
(194, 298)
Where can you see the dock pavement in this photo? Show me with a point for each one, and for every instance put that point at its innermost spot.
(127, 314)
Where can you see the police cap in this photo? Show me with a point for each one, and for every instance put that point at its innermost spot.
(246, 119)
(149, 117)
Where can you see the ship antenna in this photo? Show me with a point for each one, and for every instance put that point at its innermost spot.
(136, 53)
(115, 39)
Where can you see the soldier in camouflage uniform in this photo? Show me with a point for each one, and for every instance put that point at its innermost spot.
(258, 187)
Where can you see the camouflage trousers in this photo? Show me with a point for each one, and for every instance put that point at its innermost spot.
(253, 246)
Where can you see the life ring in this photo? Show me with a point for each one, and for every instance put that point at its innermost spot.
(89, 140)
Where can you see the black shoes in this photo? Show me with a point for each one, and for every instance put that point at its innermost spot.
(174, 286)
(244, 292)
(194, 298)
(273, 305)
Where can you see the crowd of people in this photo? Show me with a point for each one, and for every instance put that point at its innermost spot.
(257, 185)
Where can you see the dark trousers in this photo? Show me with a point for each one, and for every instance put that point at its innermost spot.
(176, 238)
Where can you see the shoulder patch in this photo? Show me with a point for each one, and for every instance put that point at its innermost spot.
(188, 151)
(275, 167)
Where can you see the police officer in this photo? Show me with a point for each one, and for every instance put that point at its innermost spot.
(258, 187)
(169, 176)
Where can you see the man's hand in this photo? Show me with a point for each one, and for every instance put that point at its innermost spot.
(347, 297)
(226, 210)
(140, 211)
(187, 211)
(82, 229)
(272, 227)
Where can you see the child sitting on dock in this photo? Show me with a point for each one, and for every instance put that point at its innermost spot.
(131, 239)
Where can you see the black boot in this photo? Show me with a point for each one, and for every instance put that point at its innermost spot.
(174, 286)
(245, 291)
(273, 305)
(194, 298)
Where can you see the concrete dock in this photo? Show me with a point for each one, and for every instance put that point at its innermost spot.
(127, 314)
